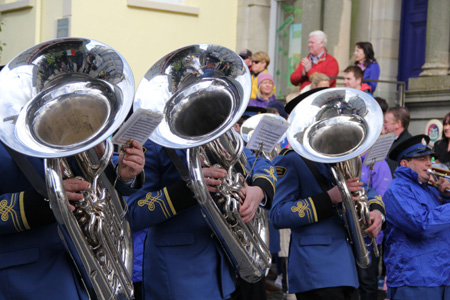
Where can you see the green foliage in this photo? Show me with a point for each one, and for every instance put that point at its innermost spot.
(2, 23)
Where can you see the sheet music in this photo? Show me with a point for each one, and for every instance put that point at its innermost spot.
(267, 133)
(380, 149)
(138, 127)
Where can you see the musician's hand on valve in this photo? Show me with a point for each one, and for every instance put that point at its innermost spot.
(377, 221)
(73, 188)
(212, 178)
(443, 186)
(353, 184)
(433, 180)
(131, 161)
(253, 197)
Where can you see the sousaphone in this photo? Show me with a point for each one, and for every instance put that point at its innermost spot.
(62, 98)
(336, 126)
(202, 91)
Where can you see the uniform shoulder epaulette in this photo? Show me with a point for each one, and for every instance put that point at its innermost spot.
(285, 151)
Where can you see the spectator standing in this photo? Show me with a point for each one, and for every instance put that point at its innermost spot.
(442, 147)
(365, 59)
(260, 62)
(353, 76)
(418, 226)
(265, 94)
(396, 120)
(318, 60)
(246, 55)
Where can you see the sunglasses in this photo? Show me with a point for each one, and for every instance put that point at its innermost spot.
(256, 61)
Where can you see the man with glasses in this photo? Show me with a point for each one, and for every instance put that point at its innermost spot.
(418, 226)
(318, 60)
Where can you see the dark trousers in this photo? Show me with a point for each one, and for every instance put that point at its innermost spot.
(250, 291)
(333, 293)
(368, 279)
(284, 272)
(137, 290)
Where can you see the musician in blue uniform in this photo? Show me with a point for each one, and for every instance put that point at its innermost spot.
(418, 222)
(33, 260)
(182, 259)
(321, 262)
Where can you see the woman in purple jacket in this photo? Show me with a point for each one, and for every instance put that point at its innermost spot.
(265, 94)
(365, 59)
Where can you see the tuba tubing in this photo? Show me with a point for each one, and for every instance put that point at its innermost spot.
(251, 264)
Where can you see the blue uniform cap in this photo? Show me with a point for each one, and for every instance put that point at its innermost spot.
(416, 146)
(250, 111)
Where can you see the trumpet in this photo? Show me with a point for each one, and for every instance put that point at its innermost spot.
(438, 173)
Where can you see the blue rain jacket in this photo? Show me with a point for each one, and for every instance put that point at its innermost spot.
(417, 233)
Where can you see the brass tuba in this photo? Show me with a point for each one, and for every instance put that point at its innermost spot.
(336, 126)
(202, 90)
(63, 98)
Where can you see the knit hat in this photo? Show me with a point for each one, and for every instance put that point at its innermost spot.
(264, 76)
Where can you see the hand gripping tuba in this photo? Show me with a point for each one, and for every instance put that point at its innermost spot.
(202, 91)
(336, 126)
(62, 98)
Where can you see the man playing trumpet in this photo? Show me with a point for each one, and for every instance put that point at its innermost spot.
(418, 222)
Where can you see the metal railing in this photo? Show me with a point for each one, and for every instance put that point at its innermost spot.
(401, 88)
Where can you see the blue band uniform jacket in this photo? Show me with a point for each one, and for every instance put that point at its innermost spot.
(320, 255)
(33, 262)
(181, 258)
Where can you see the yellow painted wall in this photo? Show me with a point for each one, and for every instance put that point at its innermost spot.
(140, 35)
(51, 11)
(143, 36)
(19, 31)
